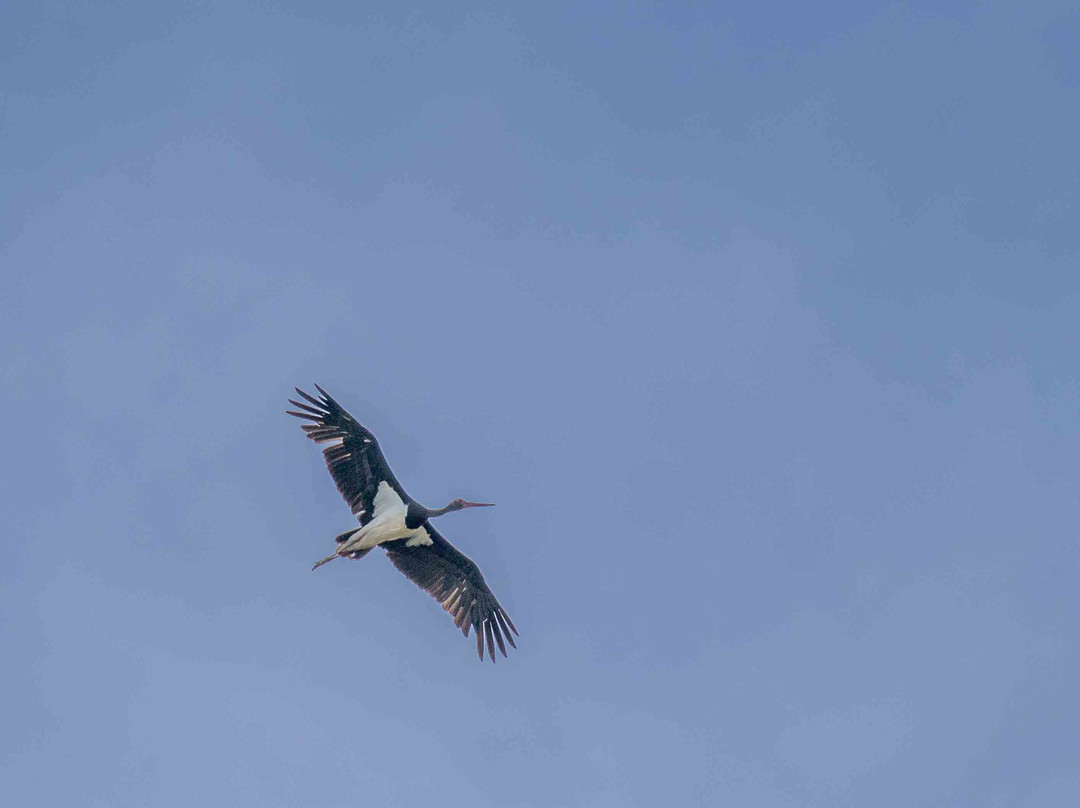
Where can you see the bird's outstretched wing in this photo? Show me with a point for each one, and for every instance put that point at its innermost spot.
(451, 578)
(353, 457)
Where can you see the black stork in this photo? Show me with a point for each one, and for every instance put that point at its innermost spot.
(402, 526)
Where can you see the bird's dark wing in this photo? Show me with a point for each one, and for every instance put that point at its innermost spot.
(354, 458)
(452, 579)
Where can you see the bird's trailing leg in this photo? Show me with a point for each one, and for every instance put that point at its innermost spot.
(342, 540)
(326, 560)
(353, 554)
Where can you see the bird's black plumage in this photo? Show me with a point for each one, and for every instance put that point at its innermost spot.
(358, 466)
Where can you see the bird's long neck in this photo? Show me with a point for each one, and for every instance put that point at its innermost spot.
(440, 511)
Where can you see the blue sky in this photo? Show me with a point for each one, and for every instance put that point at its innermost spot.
(758, 323)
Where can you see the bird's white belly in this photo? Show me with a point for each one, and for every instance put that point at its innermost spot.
(388, 524)
(388, 527)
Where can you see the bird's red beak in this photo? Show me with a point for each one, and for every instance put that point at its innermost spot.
(478, 505)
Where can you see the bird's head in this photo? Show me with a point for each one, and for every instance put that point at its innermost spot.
(459, 504)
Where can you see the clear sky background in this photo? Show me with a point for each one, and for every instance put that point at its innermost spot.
(758, 321)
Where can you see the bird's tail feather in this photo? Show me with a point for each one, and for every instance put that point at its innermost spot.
(354, 554)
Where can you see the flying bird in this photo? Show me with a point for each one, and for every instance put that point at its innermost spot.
(390, 518)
